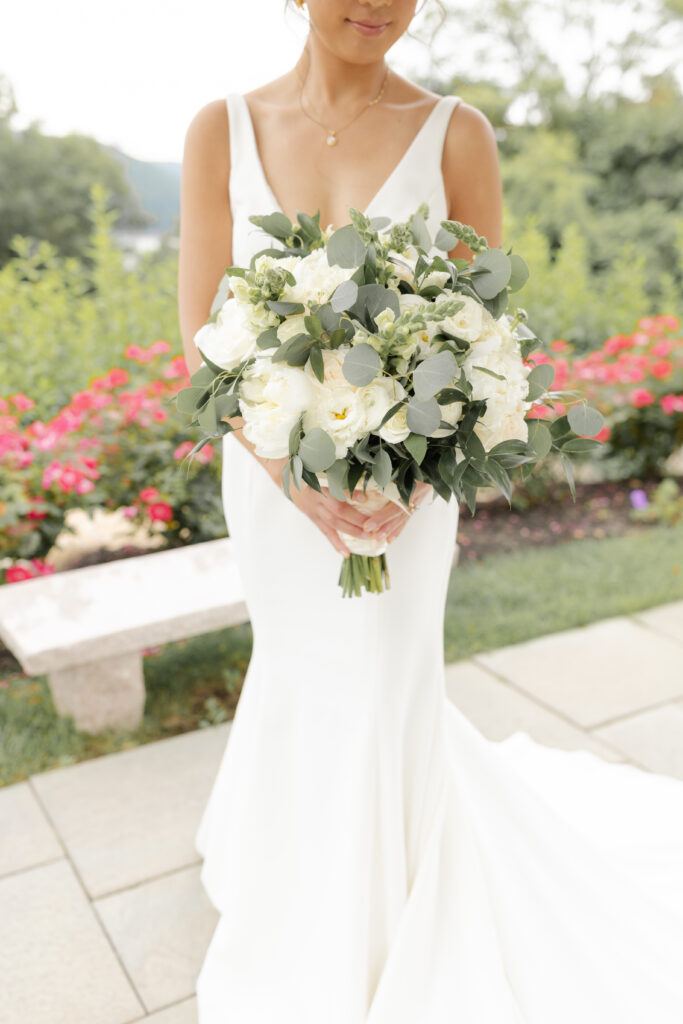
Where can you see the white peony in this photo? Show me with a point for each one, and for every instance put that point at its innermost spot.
(497, 350)
(272, 397)
(230, 338)
(345, 411)
(316, 280)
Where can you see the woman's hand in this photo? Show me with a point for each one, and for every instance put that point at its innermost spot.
(328, 514)
(391, 518)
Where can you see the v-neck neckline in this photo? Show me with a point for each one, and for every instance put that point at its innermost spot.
(385, 184)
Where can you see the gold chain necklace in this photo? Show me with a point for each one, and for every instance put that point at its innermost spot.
(333, 132)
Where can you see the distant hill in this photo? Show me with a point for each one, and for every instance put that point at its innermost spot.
(158, 186)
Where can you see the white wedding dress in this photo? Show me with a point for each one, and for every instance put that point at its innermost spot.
(374, 859)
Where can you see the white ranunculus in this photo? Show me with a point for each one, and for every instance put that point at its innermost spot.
(316, 280)
(230, 338)
(468, 322)
(272, 397)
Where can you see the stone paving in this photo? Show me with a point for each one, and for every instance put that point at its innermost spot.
(104, 918)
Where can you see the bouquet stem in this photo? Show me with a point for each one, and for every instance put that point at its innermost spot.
(369, 572)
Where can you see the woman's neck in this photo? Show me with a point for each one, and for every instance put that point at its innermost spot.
(334, 84)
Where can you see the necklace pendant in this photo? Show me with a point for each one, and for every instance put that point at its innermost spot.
(331, 140)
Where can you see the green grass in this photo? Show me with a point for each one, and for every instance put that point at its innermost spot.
(513, 597)
(506, 599)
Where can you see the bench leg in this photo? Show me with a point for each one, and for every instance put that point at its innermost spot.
(101, 694)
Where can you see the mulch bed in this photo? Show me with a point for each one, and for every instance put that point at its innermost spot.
(601, 510)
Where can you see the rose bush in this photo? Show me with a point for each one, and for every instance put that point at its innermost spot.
(119, 443)
(636, 381)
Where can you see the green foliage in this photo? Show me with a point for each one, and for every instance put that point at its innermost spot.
(64, 319)
(564, 299)
(46, 181)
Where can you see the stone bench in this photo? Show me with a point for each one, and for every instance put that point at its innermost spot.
(86, 628)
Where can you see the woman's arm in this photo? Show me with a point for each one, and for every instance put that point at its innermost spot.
(471, 171)
(205, 252)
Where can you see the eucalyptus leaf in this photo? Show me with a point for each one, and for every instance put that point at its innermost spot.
(344, 296)
(186, 399)
(337, 475)
(276, 224)
(227, 405)
(499, 270)
(268, 338)
(202, 377)
(221, 296)
(345, 248)
(317, 364)
(423, 417)
(418, 228)
(434, 373)
(361, 364)
(539, 380)
(317, 450)
(207, 417)
(297, 467)
(540, 438)
(520, 273)
(285, 308)
(585, 420)
(416, 445)
(444, 240)
(381, 467)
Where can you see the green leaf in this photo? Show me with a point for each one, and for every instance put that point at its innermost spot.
(417, 446)
(381, 467)
(423, 417)
(345, 248)
(221, 296)
(313, 326)
(297, 467)
(202, 377)
(434, 373)
(294, 351)
(580, 444)
(268, 338)
(207, 417)
(294, 437)
(388, 414)
(418, 228)
(539, 380)
(585, 420)
(227, 405)
(286, 476)
(317, 363)
(361, 364)
(285, 308)
(569, 472)
(310, 226)
(447, 465)
(499, 269)
(540, 437)
(187, 399)
(276, 224)
(336, 479)
(499, 477)
(317, 450)
(520, 273)
(444, 240)
(344, 296)
(485, 369)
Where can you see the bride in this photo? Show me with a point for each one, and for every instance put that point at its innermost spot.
(373, 858)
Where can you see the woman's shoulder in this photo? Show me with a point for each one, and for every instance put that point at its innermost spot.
(208, 133)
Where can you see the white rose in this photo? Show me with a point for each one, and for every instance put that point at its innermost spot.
(451, 413)
(316, 280)
(396, 429)
(229, 339)
(498, 351)
(272, 397)
(292, 325)
(468, 322)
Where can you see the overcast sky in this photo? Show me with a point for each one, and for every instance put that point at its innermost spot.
(134, 72)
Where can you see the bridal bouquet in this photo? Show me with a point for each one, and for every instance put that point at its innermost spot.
(368, 357)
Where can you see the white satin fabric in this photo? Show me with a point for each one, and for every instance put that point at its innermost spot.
(374, 859)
